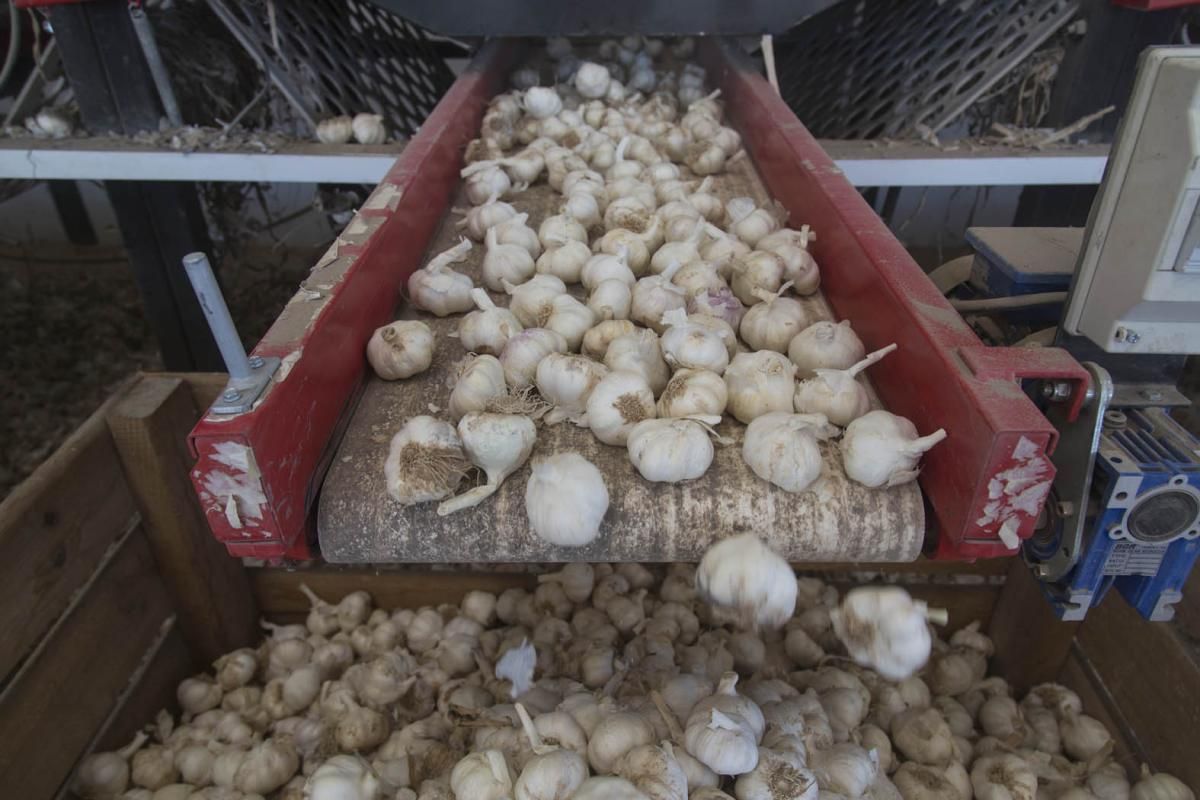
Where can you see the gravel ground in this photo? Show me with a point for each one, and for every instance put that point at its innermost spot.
(72, 330)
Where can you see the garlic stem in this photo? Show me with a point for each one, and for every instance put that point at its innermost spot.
(668, 716)
(870, 359)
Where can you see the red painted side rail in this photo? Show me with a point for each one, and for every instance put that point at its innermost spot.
(257, 473)
(992, 471)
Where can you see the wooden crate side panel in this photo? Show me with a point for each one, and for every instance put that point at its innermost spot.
(1080, 677)
(54, 528)
(1031, 643)
(152, 689)
(53, 707)
(1153, 679)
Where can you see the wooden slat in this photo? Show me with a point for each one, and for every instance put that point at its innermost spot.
(171, 662)
(54, 528)
(1154, 680)
(61, 696)
(150, 424)
(1080, 677)
(1031, 643)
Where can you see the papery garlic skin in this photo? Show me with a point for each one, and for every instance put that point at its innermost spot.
(825, 345)
(566, 499)
(400, 349)
(692, 392)
(425, 461)
(782, 448)
(619, 402)
(670, 450)
(774, 771)
(759, 383)
(883, 449)
(743, 574)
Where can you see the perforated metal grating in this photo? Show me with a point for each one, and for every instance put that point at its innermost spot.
(332, 57)
(865, 69)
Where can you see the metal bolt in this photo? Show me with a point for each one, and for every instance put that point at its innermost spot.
(1066, 508)
(1056, 391)
(256, 362)
(1127, 336)
(1040, 570)
(231, 395)
(1151, 394)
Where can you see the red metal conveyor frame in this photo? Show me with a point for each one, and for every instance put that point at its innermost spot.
(258, 473)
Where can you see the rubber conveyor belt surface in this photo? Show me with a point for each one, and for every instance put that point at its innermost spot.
(359, 523)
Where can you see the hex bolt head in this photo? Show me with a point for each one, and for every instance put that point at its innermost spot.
(231, 395)
(1151, 394)
(256, 362)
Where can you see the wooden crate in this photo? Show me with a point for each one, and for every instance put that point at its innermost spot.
(112, 590)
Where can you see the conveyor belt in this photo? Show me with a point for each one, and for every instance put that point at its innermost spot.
(358, 522)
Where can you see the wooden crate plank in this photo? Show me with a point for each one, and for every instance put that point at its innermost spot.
(53, 707)
(1154, 680)
(54, 529)
(171, 662)
(1031, 643)
(149, 425)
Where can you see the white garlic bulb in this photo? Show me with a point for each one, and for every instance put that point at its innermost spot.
(688, 345)
(671, 450)
(759, 383)
(440, 290)
(482, 218)
(335, 130)
(541, 102)
(884, 628)
(618, 240)
(654, 296)
(524, 351)
(485, 180)
(482, 776)
(655, 771)
(425, 461)
(602, 334)
(505, 263)
(883, 449)
(748, 222)
(342, 776)
(592, 80)
(619, 401)
(369, 128)
(777, 769)
(566, 499)
(496, 443)
(743, 574)
(559, 229)
(773, 323)
(825, 345)
(723, 743)
(705, 158)
(692, 392)
(756, 273)
(532, 301)
(479, 386)
(1082, 736)
(603, 267)
(837, 393)
(782, 448)
(571, 319)
(565, 381)
(1003, 777)
(564, 261)
(1160, 786)
(400, 349)
(611, 299)
(487, 329)
(700, 277)
(639, 352)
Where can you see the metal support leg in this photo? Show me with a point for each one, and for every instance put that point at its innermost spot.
(248, 377)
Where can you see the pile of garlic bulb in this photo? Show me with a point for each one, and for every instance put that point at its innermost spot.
(610, 681)
(643, 305)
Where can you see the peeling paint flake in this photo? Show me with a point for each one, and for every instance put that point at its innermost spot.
(1020, 489)
(239, 491)
(386, 196)
(286, 364)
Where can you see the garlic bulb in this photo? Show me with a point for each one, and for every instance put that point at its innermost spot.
(1160, 786)
(773, 323)
(400, 349)
(478, 388)
(524, 351)
(755, 275)
(532, 300)
(884, 628)
(1108, 782)
(368, 128)
(616, 735)
(654, 296)
(483, 775)
(603, 267)
(559, 229)
(425, 461)
(727, 700)
(566, 499)
(482, 218)
(440, 290)
(564, 261)
(576, 578)
(748, 222)
(653, 770)
(782, 448)
(553, 773)
(335, 130)
(699, 277)
(837, 393)
(611, 299)
(619, 402)
(1003, 777)
(496, 443)
(688, 345)
(607, 788)
(920, 782)
(487, 329)
(846, 769)
(882, 449)
(484, 181)
(670, 450)
(693, 392)
(198, 694)
(759, 383)
(639, 352)
(267, 766)
(725, 744)
(602, 334)
(825, 345)
(1082, 736)
(777, 774)
(505, 263)
(565, 381)
(541, 102)
(923, 735)
(704, 158)
(637, 256)
(571, 319)
(741, 573)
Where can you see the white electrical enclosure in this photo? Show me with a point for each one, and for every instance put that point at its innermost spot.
(1137, 284)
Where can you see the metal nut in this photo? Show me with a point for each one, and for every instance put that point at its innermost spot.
(1151, 394)
(1126, 335)
(256, 362)
(1056, 391)
(231, 395)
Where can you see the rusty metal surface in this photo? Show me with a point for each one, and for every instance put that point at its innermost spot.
(358, 522)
